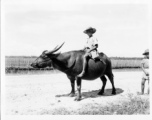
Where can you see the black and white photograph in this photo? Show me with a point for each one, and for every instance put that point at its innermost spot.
(75, 57)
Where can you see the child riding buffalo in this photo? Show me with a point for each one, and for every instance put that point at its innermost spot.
(90, 48)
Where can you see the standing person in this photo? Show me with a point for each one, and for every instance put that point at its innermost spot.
(145, 69)
(90, 48)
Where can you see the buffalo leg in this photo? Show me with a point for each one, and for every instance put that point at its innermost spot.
(104, 81)
(72, 81)
(78, 97)
(110, 76)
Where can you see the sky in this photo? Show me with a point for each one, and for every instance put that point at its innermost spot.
(32, 26)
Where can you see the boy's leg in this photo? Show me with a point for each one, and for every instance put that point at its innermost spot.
(143, 85)
(86, 56)
(148, 91)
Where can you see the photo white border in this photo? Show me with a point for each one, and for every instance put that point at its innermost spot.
(56, 117)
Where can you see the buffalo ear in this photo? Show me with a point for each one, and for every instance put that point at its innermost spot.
(56, 54)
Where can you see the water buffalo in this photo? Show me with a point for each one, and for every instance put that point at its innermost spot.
(71, 64)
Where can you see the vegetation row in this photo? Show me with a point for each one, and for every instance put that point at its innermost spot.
(15, 64)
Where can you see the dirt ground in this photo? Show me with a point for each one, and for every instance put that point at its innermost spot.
(37, 94)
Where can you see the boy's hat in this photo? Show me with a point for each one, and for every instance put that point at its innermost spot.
(90, 30)
(146, 52)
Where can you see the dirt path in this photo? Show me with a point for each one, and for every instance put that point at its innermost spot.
(37, 94)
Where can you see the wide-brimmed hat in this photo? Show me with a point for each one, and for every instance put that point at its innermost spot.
(146, 52)
(90, 30)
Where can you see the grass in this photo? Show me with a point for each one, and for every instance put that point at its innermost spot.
(133, 105)
(117, 62)
(20, 64)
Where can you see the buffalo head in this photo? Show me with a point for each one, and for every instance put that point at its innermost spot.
(45, 59)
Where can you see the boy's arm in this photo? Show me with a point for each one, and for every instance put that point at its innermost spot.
(95, 44)
(142, 67)
(94, 48)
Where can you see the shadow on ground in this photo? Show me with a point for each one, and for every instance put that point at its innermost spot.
(94, 93)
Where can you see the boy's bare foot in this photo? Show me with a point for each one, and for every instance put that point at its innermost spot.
(80, 75)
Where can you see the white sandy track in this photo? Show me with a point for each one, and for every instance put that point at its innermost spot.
(36, 94)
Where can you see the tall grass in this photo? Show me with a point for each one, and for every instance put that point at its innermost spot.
(117, 62)
(16, 64)
(133, 105)
(125, 63)
(19, 61)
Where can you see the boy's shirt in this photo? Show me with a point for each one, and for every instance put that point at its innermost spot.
(145, 63)
(91, 42)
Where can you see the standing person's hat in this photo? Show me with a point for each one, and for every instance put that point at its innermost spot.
(146, 52)
(90, 30)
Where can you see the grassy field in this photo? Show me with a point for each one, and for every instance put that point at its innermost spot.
(133, 105)
(20, 64)
(18, 61)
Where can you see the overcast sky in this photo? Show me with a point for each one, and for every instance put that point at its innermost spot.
(32, 26)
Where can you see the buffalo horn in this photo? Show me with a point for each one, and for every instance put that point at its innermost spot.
(55, 49)
(48, 52)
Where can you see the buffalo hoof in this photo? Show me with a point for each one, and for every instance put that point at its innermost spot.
(71, 95)
(100, 93)
(114, 92)
(77, 99)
